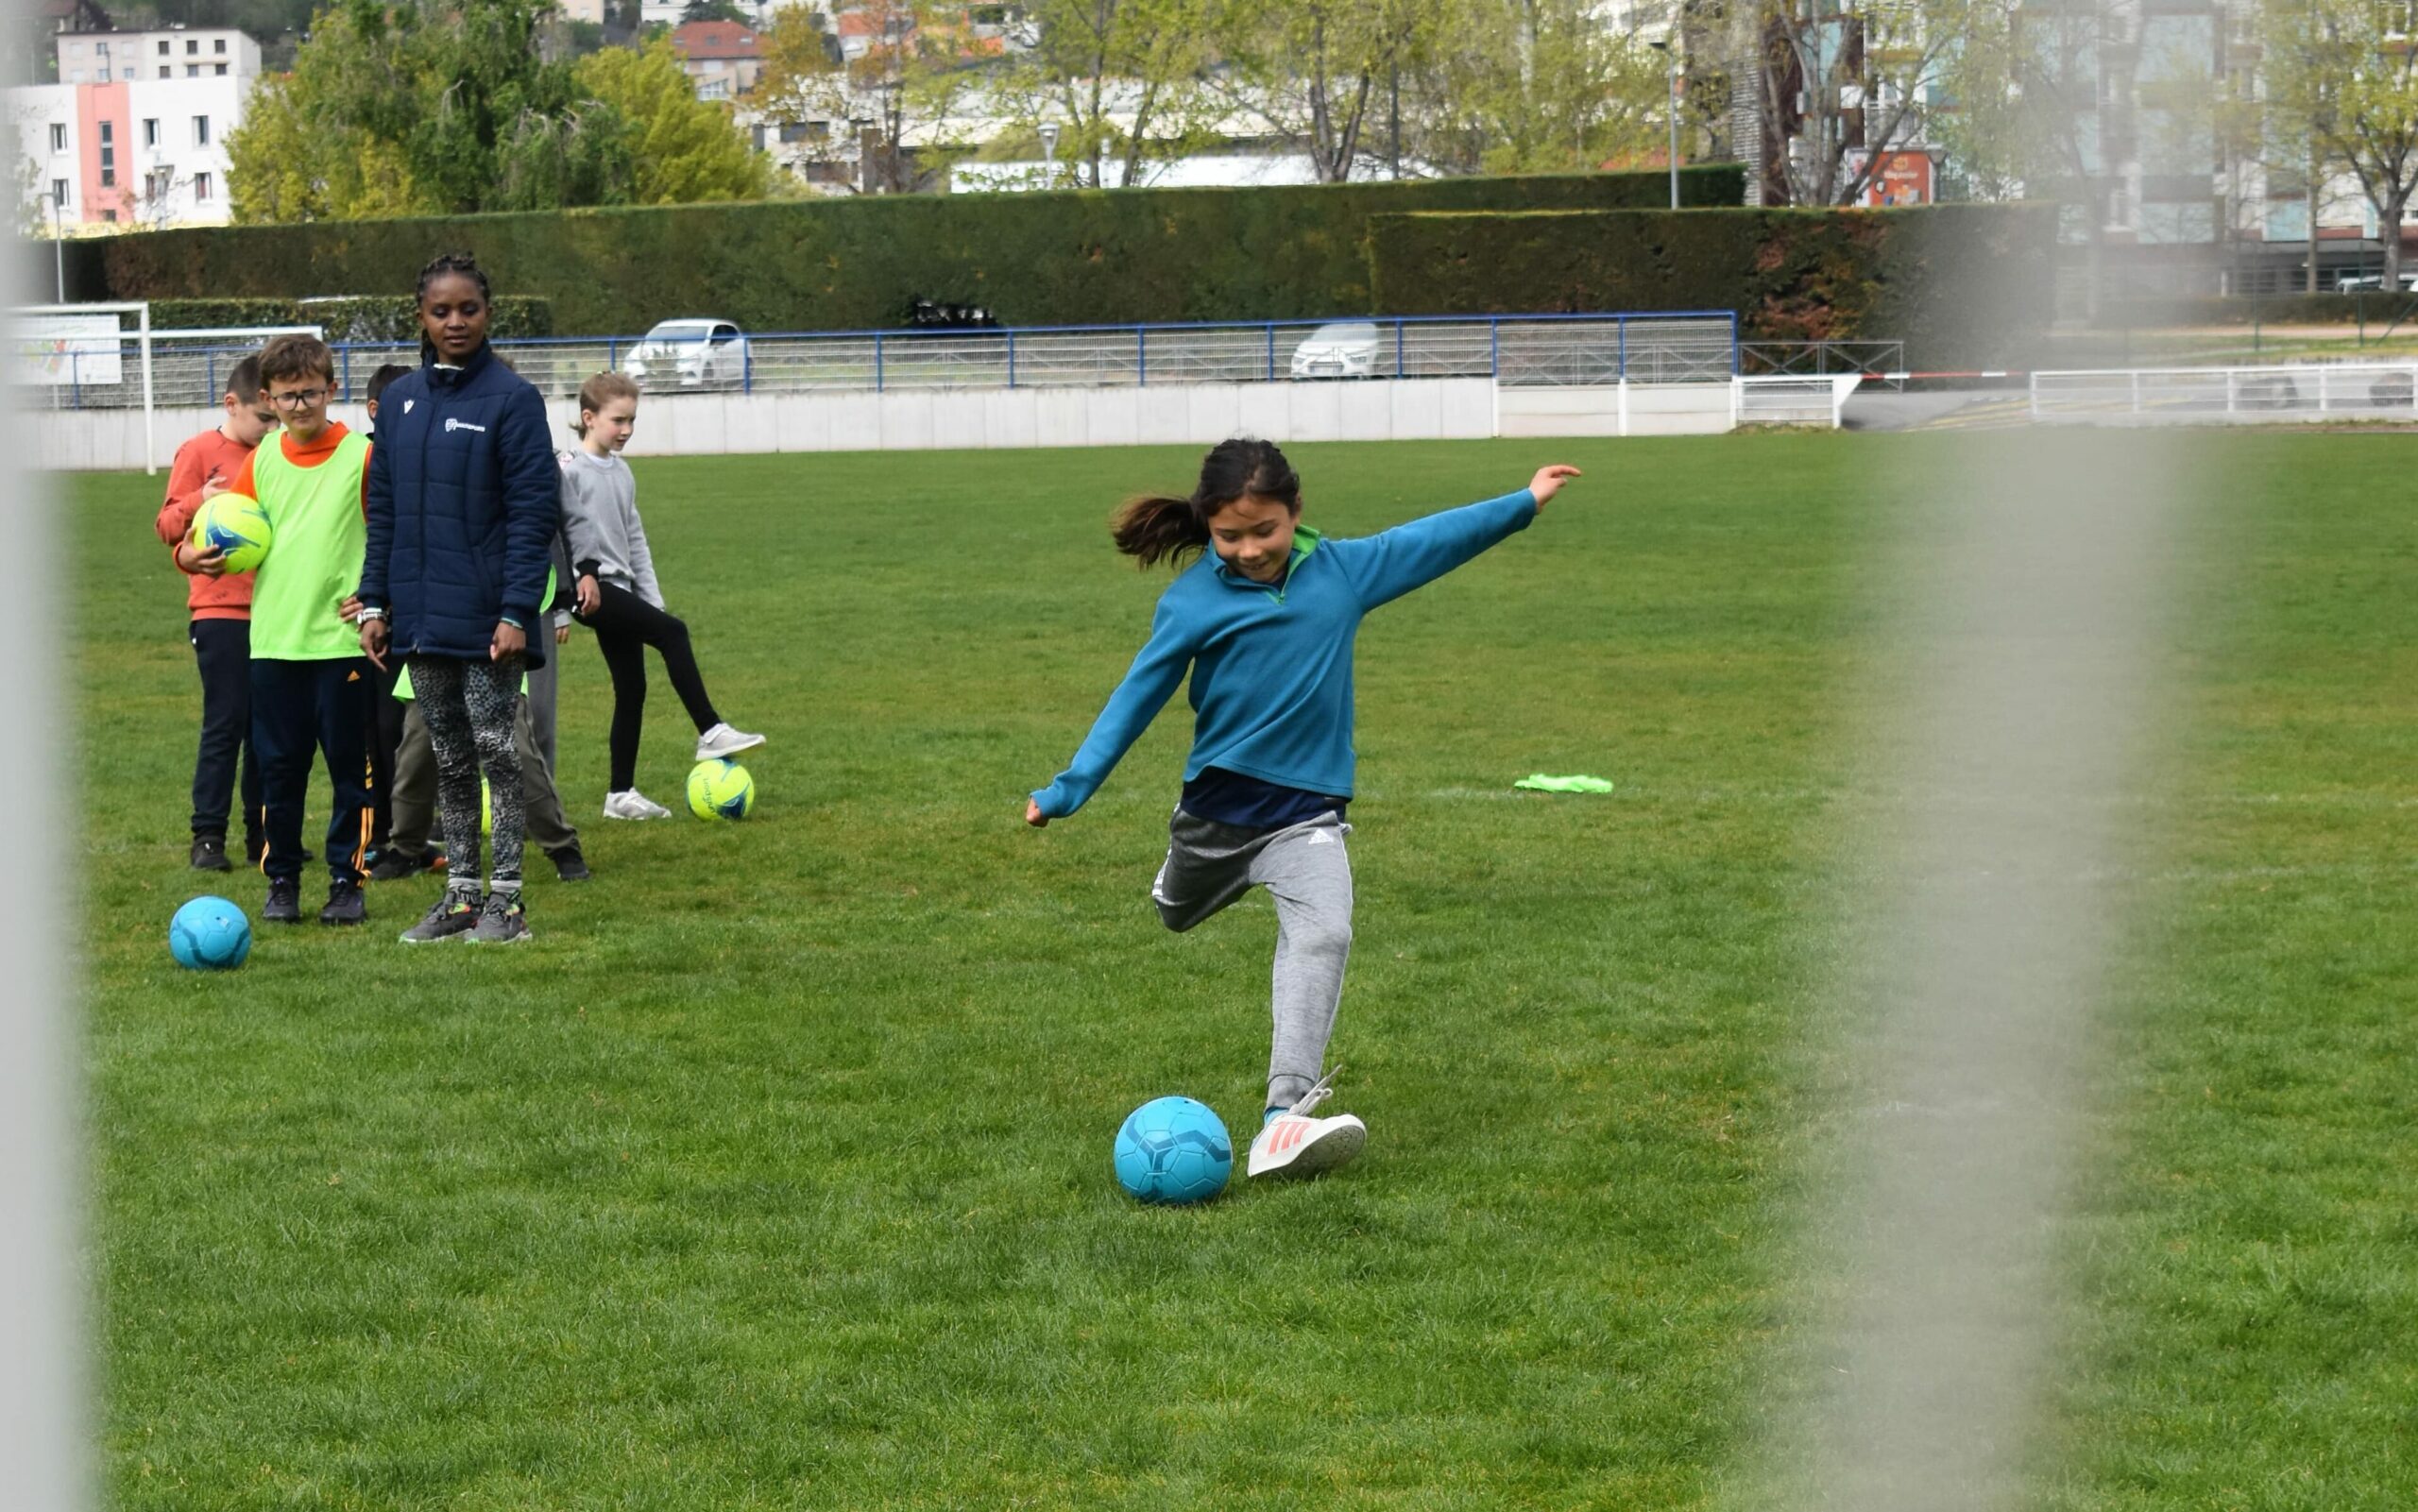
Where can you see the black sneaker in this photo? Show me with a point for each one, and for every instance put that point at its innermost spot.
(345, 905)
(284, 905)
(210, 854)
(502, 922)
(394, 865)
(569, 866)
(452, 917)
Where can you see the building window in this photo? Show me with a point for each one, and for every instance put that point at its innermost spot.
(165, 71)
(109, 171)
(110, 216)
(163, 46)
(217, 45)
(222, 71)
(58, 137)
(156, 184)
(191, 46)
(150, 132)
(101, 51)
(193, 71)
(201, 186)
(201, 130)
(58, 193)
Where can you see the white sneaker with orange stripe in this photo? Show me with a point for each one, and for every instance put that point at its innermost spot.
(1293, 1144)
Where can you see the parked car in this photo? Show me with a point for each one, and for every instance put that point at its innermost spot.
(1346, 349)
(689, 354)
(2373, 284)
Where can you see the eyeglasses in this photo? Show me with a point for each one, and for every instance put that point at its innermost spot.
(301, 400)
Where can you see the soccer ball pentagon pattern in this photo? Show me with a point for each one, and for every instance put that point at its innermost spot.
(1173, 1151)
(210, 934)
(721, 788)
(235, 526)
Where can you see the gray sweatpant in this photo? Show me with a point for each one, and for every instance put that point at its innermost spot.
(544, 686)
(1307, 872)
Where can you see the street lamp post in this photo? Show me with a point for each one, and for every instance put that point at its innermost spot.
(57, 247)
(1049, 149)
(1670, 111)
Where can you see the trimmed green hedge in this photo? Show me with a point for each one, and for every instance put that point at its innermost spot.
(352, 317)
(1044, 259)
(1960, 284)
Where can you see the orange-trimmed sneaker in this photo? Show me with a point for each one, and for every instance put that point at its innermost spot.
(1293, 1144)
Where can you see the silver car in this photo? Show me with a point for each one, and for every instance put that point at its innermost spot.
(1346, 349)
(689, 354)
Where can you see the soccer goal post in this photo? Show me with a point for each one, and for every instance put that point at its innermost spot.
(91, 357)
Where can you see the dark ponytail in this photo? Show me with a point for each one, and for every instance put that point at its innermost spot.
(461, 263)
(1157, 528)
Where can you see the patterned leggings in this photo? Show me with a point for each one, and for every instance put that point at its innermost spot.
(470, 707)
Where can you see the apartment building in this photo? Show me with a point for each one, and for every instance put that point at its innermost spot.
(146, 152)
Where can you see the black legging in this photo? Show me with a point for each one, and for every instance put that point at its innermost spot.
(625, 625)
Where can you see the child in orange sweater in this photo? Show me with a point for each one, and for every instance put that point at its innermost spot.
(219, 606)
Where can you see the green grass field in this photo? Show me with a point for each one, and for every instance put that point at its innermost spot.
(774, 1173)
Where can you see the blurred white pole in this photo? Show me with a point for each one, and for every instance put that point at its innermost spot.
(43, 1430)
(2029, 619)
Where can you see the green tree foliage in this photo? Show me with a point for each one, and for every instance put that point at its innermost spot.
(2342, 81)
(1323, 72)
(682, 150)
(1530, 86)
(448, 105)
(1124, 80)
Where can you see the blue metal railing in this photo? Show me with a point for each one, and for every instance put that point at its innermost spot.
(1539, 349)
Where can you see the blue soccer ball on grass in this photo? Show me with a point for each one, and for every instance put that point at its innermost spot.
(1173, 1151)
(210, 934)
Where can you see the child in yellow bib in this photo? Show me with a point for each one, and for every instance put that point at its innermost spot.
(311, 685)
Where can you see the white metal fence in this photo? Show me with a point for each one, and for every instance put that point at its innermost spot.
(1525, 350)
(2154, 395)
(1808, 399)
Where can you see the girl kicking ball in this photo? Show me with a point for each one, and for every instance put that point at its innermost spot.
(1264, 623)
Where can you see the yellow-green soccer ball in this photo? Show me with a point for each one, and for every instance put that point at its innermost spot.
(235, 526)
(720, 789)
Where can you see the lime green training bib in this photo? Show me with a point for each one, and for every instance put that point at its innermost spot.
(315, 554)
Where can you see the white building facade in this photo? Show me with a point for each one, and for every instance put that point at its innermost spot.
(144, 154)
(175, 53)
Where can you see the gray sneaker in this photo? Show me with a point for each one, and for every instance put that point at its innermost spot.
(454, 917)
(502, 922)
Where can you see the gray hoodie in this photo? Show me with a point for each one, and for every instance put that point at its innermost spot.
(600, 523)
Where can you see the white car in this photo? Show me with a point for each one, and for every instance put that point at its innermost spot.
(1347, 349)
(689, 354)
(2374, 284)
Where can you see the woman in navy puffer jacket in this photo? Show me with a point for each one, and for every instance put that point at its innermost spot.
(464, 497)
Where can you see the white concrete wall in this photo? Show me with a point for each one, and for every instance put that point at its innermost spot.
(1615, 409)
(913, 421)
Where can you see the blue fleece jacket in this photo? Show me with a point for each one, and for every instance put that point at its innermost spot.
(1272, 665)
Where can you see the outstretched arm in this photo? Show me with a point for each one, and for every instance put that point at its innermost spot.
(1149, 684)
(1389, 564)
